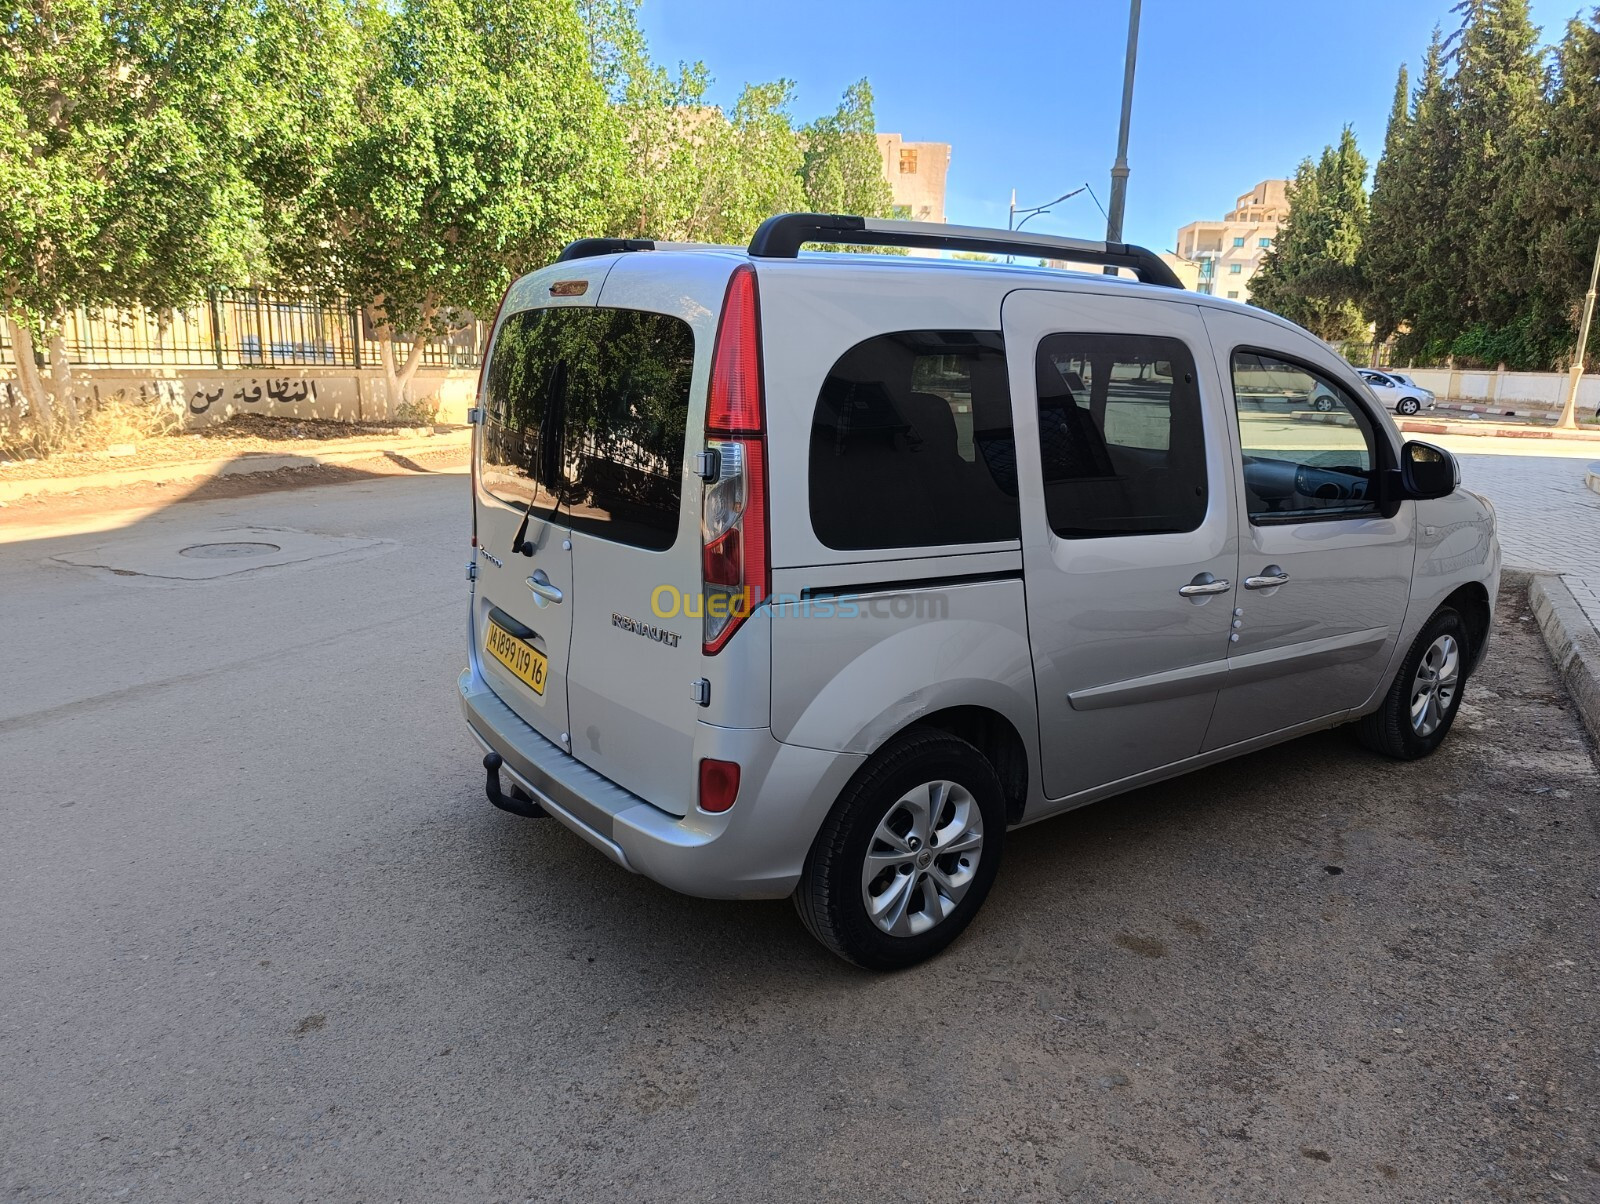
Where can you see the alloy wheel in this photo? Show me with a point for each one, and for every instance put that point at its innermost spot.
(922, 858)
(1434, 687)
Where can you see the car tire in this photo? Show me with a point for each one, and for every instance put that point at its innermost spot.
(875, 877)
(1323, 403)
(1416, 713)
(1408, 405)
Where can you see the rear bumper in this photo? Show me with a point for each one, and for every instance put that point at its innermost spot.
(755, 850)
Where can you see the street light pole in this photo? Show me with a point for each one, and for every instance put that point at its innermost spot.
(1013, 224)
(1569, 412)
(1119, 169)
(1028, 214)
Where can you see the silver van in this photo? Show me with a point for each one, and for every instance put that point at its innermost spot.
(816, 574)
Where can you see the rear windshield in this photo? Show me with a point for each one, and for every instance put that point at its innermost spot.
(911, 443)
(585, 412)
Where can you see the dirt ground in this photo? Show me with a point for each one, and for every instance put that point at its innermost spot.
(264, 939)
(241, 433)
(66, 508)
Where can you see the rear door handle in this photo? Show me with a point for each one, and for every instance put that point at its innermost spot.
(1270, 577)
(539, 583)
(1203, 584)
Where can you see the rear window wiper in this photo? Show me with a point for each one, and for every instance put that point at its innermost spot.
(548, 465)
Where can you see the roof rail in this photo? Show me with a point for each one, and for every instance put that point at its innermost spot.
(780, 237)
(584, 248)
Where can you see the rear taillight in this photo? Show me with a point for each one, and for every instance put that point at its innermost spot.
(719, 784)
(736, 562)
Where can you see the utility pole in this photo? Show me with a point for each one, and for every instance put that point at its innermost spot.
(1119, 169)
(1569, 412)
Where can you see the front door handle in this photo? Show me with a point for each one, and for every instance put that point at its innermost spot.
(1203, 584)
(543, 591)
(1271, 577)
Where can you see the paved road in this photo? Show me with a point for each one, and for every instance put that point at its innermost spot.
(263, 939)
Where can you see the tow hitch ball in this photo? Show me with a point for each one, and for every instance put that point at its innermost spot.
(524, 807)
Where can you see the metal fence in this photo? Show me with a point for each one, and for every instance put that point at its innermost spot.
(236, 328)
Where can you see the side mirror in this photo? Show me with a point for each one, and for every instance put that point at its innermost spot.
(1428, 471)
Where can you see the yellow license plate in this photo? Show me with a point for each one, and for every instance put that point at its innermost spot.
(521, 657)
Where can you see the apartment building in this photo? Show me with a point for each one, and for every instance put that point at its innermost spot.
(1228, 253)
(916, 173)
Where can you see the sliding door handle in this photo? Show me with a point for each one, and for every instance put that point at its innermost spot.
(1271, 577)
(1203, 585)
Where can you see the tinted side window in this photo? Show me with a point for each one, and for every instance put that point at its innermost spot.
(1120, 435)
(911, 443)
(588, 408)
(1309, 449)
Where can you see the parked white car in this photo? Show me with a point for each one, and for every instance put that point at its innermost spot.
(1397, 392)
(818, 574)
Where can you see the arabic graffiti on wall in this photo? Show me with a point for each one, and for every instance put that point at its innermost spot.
(166, 394)
(280, 391)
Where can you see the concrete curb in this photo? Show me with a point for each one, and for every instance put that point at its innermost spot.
(1574, 643)
(227, 466)
(1518, 410)
(1591, 476)
(1424, 426)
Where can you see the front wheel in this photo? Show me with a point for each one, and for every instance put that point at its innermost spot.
(1408, 405)
(1323, 403)
(1422, 703)
(908, 853)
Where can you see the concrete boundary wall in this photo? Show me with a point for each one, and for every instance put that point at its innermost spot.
(1542, 390)
(206, 396)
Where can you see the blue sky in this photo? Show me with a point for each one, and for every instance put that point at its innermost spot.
(1027, 92)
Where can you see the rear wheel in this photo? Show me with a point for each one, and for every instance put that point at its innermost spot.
(1422, 703)
(1408, 405)
(907, 854)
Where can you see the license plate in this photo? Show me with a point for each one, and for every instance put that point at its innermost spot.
(522, 658)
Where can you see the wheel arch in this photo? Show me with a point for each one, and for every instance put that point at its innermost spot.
(1471, 602)
(997, 738)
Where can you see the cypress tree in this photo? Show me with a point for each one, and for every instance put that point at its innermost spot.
(1311, 273)
(1273, 286)
(1387, 252)
(1427, 299)
(1496, 92)
(1560, 207)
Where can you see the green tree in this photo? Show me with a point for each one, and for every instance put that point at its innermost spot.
(754, 171)
(1560, 206)
(672, 134)
(701, 174)
(1275, 284)
(486, 142)
(315, 64)
(1496, 93)
(119, 184)
(1385, 253)
(1432, 153)
(1311, 274)
(842, 170)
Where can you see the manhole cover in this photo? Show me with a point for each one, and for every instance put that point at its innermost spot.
(221, 551)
